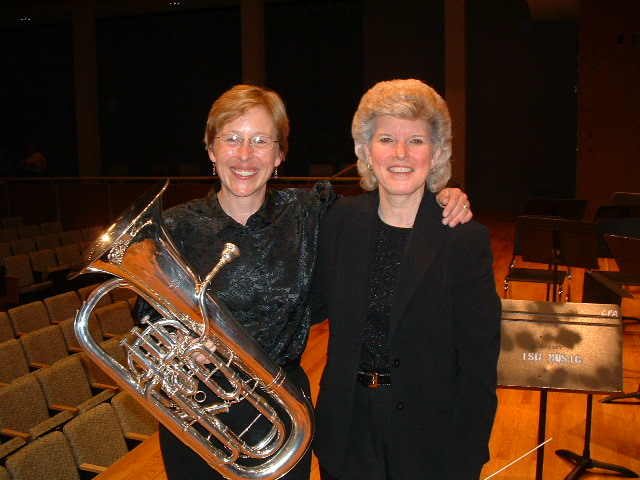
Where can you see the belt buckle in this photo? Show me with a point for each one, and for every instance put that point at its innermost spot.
(374, 379)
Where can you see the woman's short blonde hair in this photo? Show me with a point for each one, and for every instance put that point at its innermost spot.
(408, 99)
(236, 101)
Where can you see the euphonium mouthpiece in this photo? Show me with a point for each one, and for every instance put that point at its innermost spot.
(230, 252)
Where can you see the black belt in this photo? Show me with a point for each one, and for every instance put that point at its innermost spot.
(373, 379)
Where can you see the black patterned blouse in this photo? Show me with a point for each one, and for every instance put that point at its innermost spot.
(267, 287)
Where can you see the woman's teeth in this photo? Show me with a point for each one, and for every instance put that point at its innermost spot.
(244, 173)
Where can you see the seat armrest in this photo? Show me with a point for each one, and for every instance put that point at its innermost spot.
(12, 286)
(57, 275)
(98, 388)
(138, 437)
(102, 397)
(104, 386)
(90, 467)
(64, 408)
(51, 424)
(38, 365)
(7, 432)
(39, 276)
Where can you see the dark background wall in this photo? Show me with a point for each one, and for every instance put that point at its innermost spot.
(314, 57)
(37, 101)
(609, 100)
(522, 104)
(158, 75)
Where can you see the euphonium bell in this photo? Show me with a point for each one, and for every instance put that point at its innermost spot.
(197, 342)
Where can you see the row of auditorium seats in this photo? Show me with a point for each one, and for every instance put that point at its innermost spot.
(39, 333)
(21, 231)
(86, 446)
(12, 222)
(43, 273)
(90, 437)
(32, 268)
(46, 345)
(73, 383)
(49, 241)
(54, 241)
(58, 309)
(65, 418)
(29, 238)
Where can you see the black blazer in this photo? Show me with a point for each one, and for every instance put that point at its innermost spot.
(444, 338)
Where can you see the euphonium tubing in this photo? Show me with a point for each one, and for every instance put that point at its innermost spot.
(198, 342)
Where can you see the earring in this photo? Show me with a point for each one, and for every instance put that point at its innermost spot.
(275, 172)
(214, 169)
(369, 166)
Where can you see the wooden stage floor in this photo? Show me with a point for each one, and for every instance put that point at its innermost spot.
(615, 428)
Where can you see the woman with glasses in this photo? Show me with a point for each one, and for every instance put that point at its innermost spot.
(267, 287)
(409, 388)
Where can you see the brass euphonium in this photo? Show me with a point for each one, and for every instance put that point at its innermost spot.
(197, 342)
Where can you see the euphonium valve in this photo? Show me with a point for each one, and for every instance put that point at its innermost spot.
(193, 366)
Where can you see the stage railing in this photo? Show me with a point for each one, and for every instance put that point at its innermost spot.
(79, 202)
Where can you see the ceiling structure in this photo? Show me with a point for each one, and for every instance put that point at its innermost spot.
(20, 13)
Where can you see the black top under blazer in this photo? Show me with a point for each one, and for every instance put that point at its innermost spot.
(444, 338)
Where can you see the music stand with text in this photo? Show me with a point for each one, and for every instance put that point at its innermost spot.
(563, 347)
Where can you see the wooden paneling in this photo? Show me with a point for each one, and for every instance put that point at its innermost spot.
(83, 205)
(178, 193)
(33, 201)
(121, 195)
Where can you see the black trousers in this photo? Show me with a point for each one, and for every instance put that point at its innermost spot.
(373, 450)
(182, 463)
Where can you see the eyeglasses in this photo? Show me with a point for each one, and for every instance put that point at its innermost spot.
(262, 143)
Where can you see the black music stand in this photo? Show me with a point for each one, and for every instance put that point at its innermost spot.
(623, 397)
(565, 347)
(623, 225)
(567, 208)
(584, 462)
(617, 211)
(598, 288)
(556, 242)
(626, 252)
